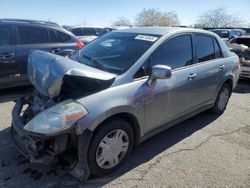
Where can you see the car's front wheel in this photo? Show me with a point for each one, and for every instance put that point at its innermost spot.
(222, 99)
(110, 146)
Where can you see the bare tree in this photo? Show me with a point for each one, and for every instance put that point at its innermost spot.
(219, 17)
(121, 21)
(151, 17)
(83, 22)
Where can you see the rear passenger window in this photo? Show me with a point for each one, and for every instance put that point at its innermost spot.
(32, 35)
(217, 50)
(176, 53)
(63, 37)
(57, 36)
(5, 35)
(53, 36)
(204, 48)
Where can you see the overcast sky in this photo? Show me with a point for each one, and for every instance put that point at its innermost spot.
(103, 12)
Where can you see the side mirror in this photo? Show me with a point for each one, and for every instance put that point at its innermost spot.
(159, 72)
(66, 52)
(233, 37)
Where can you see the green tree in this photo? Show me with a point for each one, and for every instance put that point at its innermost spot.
(121, 21)
(154, 17)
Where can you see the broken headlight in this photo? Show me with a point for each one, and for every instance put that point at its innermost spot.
(57, 118)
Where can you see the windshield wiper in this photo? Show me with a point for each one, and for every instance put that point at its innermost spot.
(96, 63)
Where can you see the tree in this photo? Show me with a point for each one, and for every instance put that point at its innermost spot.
(83, 22)
(121, 21)
(219, 17)
(152, 17)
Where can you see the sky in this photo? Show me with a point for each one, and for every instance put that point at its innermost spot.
(104, 12)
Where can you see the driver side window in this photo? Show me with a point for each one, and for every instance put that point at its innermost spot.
(175, 53)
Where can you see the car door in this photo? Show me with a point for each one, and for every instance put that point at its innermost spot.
(209, 66)
(8, 64)
(173, 98)
(30, 38)
(61, 43)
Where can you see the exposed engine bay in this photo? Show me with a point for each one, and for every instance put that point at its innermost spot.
(241, 46)
(56, 79)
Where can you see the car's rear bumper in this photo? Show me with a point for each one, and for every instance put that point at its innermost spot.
(36, 148)
(244, 71)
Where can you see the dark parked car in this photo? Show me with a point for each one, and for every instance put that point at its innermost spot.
(105, 30)
(228, 34)
(19, 37)
(82, 31)
(86, 33)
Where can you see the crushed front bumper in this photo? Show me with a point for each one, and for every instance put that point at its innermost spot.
(37, 148)
(44, 149)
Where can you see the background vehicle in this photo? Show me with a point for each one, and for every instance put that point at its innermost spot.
(241, 46)
(86, 33)
(19, 37)
(119, 90)
(228, 34)
(105, 30)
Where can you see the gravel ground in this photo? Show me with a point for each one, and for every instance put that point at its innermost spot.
(204, 151)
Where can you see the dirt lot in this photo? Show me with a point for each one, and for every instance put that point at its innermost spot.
(204, 151)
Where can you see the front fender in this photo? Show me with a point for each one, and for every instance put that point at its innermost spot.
(92, 123)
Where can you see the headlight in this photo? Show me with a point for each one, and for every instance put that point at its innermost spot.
(57, 118)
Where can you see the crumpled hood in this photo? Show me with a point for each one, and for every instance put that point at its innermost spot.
(237, 47)
(46, 72)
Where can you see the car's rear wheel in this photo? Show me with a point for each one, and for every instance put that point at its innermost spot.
(222, 99)
(110, 146)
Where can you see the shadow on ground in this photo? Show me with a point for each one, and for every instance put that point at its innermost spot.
(15, 170)
(11, 94)
(243, 86)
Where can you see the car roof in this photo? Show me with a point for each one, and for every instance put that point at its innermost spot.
(160, 30)
(85, 26)
(29, 22)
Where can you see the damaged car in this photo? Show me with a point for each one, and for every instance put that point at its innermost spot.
(241, 46)
(118, 91)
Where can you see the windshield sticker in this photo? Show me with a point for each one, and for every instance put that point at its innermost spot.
(146, 37)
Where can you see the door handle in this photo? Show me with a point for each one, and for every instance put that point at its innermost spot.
(4, 56)
(192, 76)
(221, 67)
(55, 50)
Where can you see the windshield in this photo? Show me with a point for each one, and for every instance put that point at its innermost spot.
(115, 52)
(245, 41)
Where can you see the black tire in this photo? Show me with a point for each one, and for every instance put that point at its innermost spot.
(105, 129)
(216, 109)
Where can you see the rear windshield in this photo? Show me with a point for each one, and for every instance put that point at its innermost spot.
(245, 41)
(116, 51)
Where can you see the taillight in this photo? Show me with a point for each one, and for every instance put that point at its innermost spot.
(238, 63)
(80, 44)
